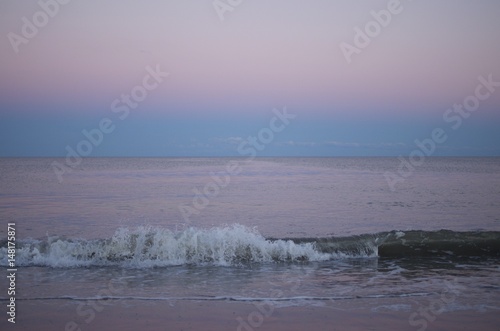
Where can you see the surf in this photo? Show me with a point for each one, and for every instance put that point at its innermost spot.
(146, 246)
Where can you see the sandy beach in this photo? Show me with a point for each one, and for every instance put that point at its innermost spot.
(223, 315)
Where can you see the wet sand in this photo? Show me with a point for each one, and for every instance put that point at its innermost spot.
(223, 315)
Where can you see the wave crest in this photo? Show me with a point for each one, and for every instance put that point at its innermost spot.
(236, 244)
(153, 246)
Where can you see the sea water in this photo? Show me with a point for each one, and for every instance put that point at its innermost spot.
(327, 232)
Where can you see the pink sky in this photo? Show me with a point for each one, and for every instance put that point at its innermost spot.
(264, 53)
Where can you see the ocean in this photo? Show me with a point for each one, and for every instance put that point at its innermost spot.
(271, 232)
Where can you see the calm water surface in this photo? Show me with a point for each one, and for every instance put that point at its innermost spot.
(282, 197)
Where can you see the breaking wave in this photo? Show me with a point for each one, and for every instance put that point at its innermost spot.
(237, 244)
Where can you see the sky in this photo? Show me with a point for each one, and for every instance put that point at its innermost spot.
(198, 78)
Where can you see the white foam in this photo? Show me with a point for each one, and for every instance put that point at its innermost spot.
(400, 234)
(153, 246)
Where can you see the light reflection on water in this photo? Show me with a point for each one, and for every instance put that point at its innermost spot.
(406, 280)
(284, 197)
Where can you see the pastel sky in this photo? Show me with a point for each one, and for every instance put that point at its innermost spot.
(226, 76)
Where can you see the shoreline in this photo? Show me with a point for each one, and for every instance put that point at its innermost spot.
(71, 315)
